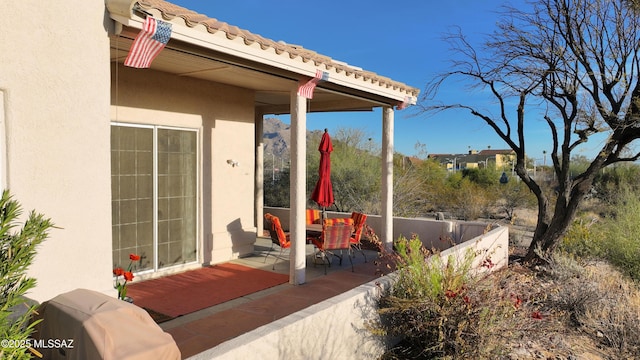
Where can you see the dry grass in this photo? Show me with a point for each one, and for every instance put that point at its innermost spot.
(570, 310)
(566, 310)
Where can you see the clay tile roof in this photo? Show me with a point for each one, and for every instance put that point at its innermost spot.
(192, 19)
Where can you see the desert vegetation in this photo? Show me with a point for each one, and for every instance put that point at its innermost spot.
(422, 186)
(573, 292)
(569, 308)
(582, 302)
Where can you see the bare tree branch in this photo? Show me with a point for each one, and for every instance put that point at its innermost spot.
(576, 59)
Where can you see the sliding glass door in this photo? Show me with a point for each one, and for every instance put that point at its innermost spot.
(154, 195)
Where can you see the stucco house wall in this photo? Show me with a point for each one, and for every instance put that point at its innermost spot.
(54, 112)
(59, 95)
(224, 118)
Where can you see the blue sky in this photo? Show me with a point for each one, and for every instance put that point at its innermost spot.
(399, 40)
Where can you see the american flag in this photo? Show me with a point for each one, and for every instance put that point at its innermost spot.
(403, 105)
(306, 89)
(155, 34)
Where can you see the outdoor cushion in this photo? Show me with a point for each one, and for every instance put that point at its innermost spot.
(313, 216)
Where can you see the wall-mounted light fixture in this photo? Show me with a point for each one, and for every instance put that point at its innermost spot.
(233, 163)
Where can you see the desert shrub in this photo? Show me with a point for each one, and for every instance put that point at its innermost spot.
(617, 234)
(614, 318)
(422, 275)
(444, 313)
(580, 240)
(433, 306)
(608, 183)
(485, 177)
(465, 199)
(576, 295)
(514, 195)
(17, 251)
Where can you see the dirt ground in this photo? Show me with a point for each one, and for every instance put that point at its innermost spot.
(554, 338)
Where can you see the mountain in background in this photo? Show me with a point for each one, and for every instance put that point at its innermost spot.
(277, 137)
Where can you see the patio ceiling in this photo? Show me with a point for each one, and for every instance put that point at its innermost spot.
(207, 49)
(272, 87)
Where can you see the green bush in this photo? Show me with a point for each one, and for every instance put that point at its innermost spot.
(465, 199)
(429, 305)
(580, 240)
(17, 251)
(618, 234)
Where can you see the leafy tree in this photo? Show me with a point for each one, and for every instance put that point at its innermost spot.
(572, 63)
(608, 184)
(355, 170)
(514, 195)
(486, 177)
(276, 189)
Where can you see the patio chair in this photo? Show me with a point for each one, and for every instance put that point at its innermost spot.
(313, 216)
(278, 236)
(336, 235)
(359, 220)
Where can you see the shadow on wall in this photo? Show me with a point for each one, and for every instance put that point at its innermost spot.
(242, 241)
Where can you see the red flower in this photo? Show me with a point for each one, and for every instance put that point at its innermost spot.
(119, 285)
(536, 315)
(516, 301)
(450, 294)
(488, 263)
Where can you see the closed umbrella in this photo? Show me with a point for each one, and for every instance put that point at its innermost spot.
(323, 192)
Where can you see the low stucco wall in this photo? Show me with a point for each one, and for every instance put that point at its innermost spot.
(332, 329)
(493, 246)
(336, 328)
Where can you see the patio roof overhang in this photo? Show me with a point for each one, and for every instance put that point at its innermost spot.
(207, 49)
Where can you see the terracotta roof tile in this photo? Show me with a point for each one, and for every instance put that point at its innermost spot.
(192, 19)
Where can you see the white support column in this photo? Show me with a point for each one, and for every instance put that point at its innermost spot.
(387, 177)
(259, 185)
(298, 188)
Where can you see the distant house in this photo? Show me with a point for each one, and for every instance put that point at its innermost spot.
(165, 161)
(497, 159)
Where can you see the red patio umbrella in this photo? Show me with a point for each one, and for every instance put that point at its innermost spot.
(323, 192)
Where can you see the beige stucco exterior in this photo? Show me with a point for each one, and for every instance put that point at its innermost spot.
(57, 112)
(63, 87)
(224, 118)
(54, 80)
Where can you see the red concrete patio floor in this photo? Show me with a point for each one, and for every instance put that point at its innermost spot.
(208, 328)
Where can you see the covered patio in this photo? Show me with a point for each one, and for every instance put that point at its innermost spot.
(281, 79)
(270, 321)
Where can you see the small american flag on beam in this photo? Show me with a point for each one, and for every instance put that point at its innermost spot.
(306, 89)
(153, 37)
(403, 105)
